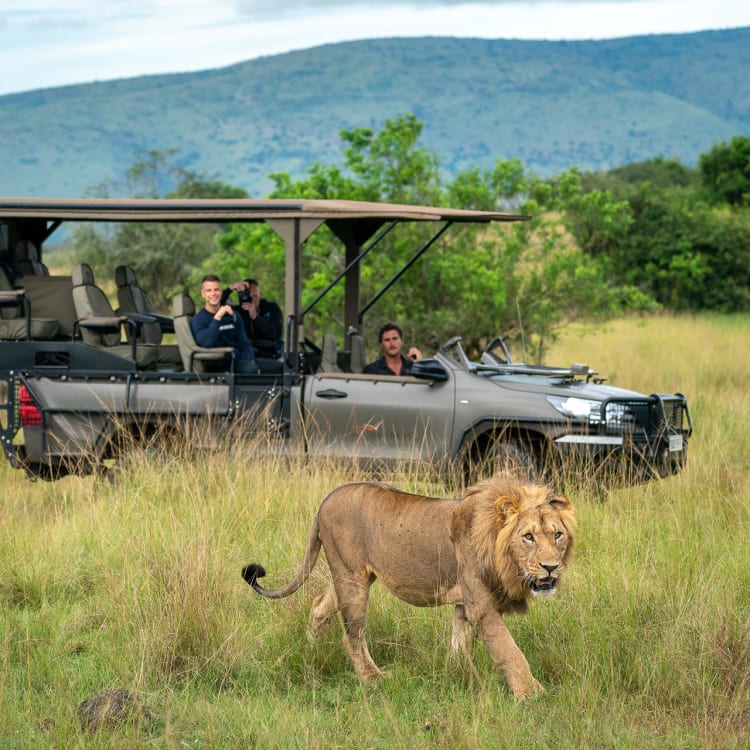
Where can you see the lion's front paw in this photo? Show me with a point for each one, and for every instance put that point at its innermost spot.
(529, 690)
(370, 674)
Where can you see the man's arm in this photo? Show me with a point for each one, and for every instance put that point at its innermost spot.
(205, 329)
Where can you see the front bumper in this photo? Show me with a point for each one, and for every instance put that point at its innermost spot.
(648, 435)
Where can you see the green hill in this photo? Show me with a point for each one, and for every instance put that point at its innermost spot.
(595, 104)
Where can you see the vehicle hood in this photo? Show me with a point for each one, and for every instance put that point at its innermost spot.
(542, 384)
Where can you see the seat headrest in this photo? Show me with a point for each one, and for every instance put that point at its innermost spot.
(182, 305)
(26, 250)
(357, 353)
(125, 276)
(329, 354)
(5, 285)
(82, 275)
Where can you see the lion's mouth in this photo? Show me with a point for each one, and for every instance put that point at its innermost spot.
(543, 585)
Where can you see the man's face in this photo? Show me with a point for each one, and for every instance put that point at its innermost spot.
(391, 343)
(211, 293)
(254, 291)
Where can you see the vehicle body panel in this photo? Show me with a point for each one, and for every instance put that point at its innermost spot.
(380, 417)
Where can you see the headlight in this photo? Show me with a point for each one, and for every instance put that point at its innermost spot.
(578, 408)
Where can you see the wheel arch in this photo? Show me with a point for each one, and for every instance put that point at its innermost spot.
(480, 440)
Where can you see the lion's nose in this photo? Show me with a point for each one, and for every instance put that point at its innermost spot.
(549, 568)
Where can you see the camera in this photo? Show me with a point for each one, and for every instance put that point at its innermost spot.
(245, 296)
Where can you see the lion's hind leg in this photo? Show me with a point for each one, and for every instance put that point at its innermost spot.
(324, 609)
(353, 597)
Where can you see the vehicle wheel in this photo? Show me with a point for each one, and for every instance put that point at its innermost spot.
(514, 456)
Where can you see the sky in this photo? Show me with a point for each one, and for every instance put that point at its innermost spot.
(47, 43)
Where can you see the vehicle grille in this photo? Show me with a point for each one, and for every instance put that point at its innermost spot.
(676, 412)
(646, 418)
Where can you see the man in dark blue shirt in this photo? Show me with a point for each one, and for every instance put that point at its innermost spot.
(216, 324)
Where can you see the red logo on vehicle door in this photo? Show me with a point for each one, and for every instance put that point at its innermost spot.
(371, 426)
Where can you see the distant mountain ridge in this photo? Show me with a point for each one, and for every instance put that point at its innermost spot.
(594, 104)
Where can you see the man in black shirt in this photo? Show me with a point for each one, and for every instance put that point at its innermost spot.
(390, 340)
(262, 319)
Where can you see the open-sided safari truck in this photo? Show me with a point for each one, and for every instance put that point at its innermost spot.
(78, 381)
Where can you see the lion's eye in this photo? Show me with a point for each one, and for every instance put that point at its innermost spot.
(529, 537)
(558, 535)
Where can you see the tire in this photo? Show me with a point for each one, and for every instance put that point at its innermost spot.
(516, 457)
(511, 455)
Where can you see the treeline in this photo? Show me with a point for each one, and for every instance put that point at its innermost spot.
(650, 235)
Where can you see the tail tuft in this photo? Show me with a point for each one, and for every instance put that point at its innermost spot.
(251, 573)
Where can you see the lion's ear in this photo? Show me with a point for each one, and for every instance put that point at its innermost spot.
(560, 502)
(505, 507)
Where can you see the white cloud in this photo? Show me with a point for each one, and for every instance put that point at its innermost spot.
(49, 43)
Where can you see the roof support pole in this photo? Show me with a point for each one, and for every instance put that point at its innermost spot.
(351, 290)
(293, 232)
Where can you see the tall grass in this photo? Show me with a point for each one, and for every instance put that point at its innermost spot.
(136, 585)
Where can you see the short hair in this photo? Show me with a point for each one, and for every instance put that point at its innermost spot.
(390, 326)
(252, 281)
(210, 277)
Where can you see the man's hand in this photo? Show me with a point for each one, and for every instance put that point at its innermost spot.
(414, 354)
(224, 310)
(251, 309)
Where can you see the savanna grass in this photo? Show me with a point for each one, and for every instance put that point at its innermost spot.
(136, 584)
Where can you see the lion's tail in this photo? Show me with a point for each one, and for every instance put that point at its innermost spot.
(252, 572)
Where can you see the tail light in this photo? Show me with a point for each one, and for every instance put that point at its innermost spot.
(31, 415)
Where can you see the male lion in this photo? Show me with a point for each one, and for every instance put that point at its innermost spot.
(486, 554)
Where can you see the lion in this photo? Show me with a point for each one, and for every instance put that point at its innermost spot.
(487, 554)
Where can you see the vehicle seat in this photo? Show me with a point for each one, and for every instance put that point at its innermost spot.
(133, 299)
(357, 353)
(197, 358)
(27, 260)
(329, 354)
(100, 326)
(52, 297)
(15, 314)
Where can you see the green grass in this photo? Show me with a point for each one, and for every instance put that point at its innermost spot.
(137, 585)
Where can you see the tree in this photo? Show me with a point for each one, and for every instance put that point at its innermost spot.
(563, 274)
(686, 249)
(386, 166)
(525, 278)
(660, 173)
(725, 171)
(164, 256)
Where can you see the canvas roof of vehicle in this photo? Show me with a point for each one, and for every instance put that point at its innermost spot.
(238, 209)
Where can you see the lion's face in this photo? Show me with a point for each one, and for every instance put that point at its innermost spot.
(541, 544)
(531, 533)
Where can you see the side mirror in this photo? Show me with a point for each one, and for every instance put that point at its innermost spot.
(428, 369)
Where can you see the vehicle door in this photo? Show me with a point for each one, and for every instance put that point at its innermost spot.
(378, 416)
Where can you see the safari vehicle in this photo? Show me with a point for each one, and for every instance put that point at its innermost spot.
(78, 381)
